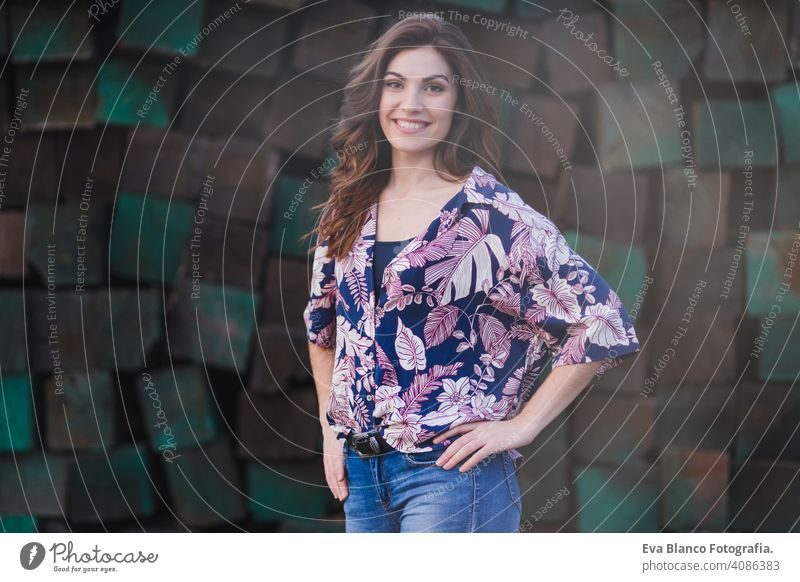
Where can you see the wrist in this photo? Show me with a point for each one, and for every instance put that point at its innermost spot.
(524, 428)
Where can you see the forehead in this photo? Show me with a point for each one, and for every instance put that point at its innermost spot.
(419, 62)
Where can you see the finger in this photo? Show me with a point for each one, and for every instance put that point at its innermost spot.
(454, 449)
(461, 428)
(474, 459)
(331, 483)
(463, 453)
(341, 482)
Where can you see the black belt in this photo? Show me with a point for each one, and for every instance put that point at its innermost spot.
(368, 444)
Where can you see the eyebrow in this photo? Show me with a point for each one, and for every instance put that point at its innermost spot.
(428, 78)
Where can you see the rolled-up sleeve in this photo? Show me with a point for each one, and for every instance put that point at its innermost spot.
(572, 308)
(320, 312)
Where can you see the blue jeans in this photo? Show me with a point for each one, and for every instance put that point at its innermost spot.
(408, 492)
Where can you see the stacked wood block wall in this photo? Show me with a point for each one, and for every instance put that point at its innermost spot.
(158, 177)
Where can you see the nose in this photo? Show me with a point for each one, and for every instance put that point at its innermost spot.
(411, 100)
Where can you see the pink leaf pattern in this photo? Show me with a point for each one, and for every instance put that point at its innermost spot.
(493, 291)
(440, 324)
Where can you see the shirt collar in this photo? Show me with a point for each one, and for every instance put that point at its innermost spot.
(478, 189)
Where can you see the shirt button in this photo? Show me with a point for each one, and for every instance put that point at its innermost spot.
(369, 396)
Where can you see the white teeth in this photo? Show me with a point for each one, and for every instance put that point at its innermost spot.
(407, 125)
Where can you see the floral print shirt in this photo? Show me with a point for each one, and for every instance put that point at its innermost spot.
(468, 313)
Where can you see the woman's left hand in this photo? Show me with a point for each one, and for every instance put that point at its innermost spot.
(480, 439)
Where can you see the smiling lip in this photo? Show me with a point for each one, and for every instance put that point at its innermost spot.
(408, 130)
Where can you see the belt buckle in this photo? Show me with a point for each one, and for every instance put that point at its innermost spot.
(369, 438)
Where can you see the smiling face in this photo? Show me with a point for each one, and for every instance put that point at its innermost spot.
(417, 100)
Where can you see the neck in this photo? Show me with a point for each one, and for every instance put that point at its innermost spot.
(412, 172)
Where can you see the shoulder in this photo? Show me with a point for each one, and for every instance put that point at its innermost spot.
(507, 208)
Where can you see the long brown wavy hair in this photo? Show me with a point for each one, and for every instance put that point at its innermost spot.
(362, 150)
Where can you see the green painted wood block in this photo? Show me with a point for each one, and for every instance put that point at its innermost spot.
(106, 348)
(614, 499)
(749, 45)
(279, 427)
(787, 214)
(217, 101)
(229, 252)
(204, 485)
(124, 91)
(79, 172)
(243, 182)
(116, 344)
(609, 205)
(531, 151)
(280, 359)
(794, 40)
(722, 141)
(642, 135)
(4, 44)
(695, 416)
(170, 27)
(674, 36)
(80, 412)
(766, 419)
(293, 215)
(767, 256)
(287, 490)
(544, 474)
(495, 6)
(50, 30)
(13, 356)
(75, 255)
(697, 216)
(623, 267)
(19, 524)
(225, 318)
(163, 163)
(695, 489)
(787, 101)
(34, 483)
(32, 170)
(12, 253)
(613, 428)
(16, 414)
(149, 237)
(112, 485)
(781, 350)
(301, 114)
(765, 497)
(285, 285)
(61, 95)
(177, 407)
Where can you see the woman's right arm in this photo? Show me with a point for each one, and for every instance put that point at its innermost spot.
(320, 320)
(333, 457)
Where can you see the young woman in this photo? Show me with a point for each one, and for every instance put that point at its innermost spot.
(437, 297)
